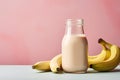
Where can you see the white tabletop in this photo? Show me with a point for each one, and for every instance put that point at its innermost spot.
(25, 72)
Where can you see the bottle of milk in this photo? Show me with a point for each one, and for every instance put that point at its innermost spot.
(74, 47)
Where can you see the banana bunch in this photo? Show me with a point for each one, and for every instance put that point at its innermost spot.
(113, 59)
(106, 60)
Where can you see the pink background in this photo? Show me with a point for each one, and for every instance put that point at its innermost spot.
(32, 30)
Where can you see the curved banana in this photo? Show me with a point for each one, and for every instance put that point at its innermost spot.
(111, 62)
(56, 63)
(42, 66)
(103, 42)
(100, 57)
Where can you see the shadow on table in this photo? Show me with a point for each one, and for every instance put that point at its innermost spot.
(60, 72)
(90, 71)
(93, 71)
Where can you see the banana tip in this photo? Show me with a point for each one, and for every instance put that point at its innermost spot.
(33, 67)
(58, 69)
(100, 40)
(91, 66)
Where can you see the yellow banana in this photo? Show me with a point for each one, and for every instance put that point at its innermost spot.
(102, 42)
(99, 58)
(42, 66)
(56, 63)
(111, 62)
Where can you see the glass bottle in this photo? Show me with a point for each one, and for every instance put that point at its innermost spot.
(74, 47)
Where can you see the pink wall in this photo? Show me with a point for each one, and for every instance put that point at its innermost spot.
(32, 30)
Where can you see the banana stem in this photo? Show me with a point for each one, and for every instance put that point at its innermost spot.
(104, 47)
(103, 42)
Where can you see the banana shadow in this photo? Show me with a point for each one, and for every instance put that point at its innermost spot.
(60, 72)
(93, 71)
(43, 71)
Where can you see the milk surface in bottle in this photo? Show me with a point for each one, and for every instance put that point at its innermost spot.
(74, 47)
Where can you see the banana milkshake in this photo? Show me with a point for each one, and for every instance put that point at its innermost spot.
(74, 48)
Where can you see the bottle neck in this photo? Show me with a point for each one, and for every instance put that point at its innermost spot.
(74, 27)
